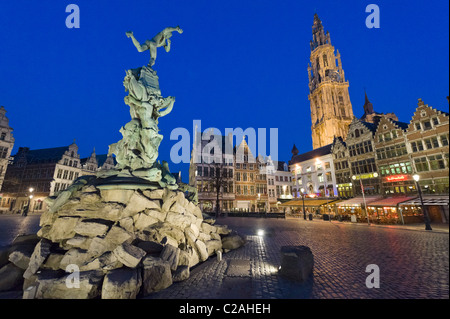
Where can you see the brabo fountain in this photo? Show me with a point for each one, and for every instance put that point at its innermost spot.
(130, 231)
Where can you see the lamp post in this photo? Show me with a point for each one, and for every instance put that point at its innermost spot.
(30, 196)
(257, 202)
(424, 211)
(303, 199)
(364, 197)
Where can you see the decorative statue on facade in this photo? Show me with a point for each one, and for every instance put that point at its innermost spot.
(137, 152)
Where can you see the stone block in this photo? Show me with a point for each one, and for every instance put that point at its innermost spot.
(142, 221)
(232, 241)
(40, 254)
(116, 195)
(182, 273)
(129, 255)
(122, 284)
(89, 286)
(91, 229)
(201, 250)
(171, 254)
(297, 263)
(139, 203)
(156, 275)
(11, 277)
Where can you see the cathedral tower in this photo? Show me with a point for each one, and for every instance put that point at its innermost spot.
(331, 109)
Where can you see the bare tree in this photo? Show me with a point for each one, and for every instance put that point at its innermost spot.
(219, 182)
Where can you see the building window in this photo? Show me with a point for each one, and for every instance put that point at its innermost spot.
(65, 174)
(436, 162)
(199, 171)
(421, 164)
(418, 127)
(205, 171)
(427, 125)
(238, 177)
(435, 121)
(66, 161)
(3, 152)
(71, 175)
(59, 173)
(417, 146)
(3, 136)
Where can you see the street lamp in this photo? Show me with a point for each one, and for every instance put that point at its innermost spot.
(257, 202)
(364, 197)
(303, 199)
(424, 211)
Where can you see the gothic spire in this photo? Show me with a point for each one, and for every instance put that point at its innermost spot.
(368, 107)
(319, 36)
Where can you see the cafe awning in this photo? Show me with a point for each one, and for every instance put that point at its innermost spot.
(357, 201)
(391, 201)
(428, 200)
(309, 202)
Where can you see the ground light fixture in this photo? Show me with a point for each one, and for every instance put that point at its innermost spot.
(260, 232)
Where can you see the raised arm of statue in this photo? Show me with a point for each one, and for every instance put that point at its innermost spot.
(166, 108)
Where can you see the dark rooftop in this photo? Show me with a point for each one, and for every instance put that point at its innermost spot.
(321, 151)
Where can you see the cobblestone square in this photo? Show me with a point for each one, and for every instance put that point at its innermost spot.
(413, 263)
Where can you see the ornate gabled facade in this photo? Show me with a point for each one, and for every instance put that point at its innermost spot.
(342, 169)
(427, 138)
(394, 164)
(362, 158)
(6, 144)
(331, 109)
(45, 172)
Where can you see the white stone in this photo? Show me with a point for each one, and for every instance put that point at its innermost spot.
(56, 288)
(129, 255)
(74, 256)
(116, 195)
(171, 254)
(78, 241)
(207, 228)
(181, 274)
(159, 215)
(142, 221)
(139, 203)
(121, 284)
(155, 194)
(201, 249)
(204, 237)
(91, 229)
(20, 258)
(62, 228)
(212, 246)
(127, 223)
(156, 275)
(180, 221)
(40, 253)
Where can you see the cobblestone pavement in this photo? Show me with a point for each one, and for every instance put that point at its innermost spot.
(13, 225)
(412, 263)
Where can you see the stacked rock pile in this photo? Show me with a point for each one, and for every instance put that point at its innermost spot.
(122, 243)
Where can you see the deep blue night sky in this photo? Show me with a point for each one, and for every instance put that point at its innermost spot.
(237, 64)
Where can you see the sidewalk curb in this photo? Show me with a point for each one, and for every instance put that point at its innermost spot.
(401, 227)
